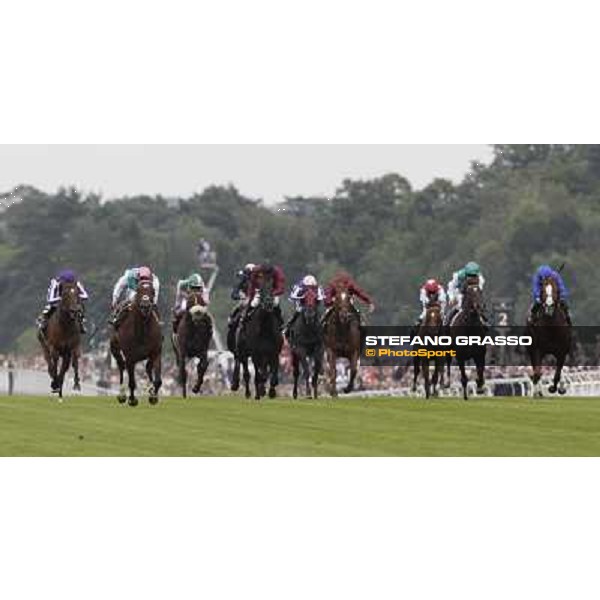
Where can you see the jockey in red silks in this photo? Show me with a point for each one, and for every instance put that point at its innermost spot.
(344, 281)
(262, 273)
(431, 292)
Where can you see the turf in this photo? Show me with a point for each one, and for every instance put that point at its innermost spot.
(229, 426)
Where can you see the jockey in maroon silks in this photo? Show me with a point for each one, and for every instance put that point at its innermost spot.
(345, 281)
(262, 273)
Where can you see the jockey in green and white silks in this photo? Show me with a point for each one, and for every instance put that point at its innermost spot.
(126, 286)
(193, 283)
(457, 283)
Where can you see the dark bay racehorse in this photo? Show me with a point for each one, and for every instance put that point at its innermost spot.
(342, 338)
(259, 338)
(192, 340)
(63, 338)
(552, 335)
(468, 321)
(139, 338)
(431, 326)
(306, 342)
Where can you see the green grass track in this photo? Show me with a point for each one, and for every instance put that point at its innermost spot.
(229, 426)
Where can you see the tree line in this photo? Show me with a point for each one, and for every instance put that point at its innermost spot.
(532, 204)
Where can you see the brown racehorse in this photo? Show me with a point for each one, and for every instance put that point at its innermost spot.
(469, 320)
(139, 338)
(194, 333)
(552, 335)
(63, 338)
(342, 338)
(431, 326)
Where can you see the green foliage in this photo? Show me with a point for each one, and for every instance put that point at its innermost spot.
(533, 204)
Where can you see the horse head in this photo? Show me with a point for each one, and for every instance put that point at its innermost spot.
(144, 298)
(549, 296)
(342, 304)
(433, 315)
(473, 303)
(69, 305)
(309, 304)
(196, 306)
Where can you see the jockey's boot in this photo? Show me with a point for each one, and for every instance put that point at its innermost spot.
(567, 313)
(175, 321)
(326, 315)
(279, 315)
(42, 320)
(288, 326)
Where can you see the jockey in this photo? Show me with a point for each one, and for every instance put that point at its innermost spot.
(431, 292)
(457, 284)
(297, 296)
(239, 292)
(126, 288)
(545, 272)
(193, 283)
(53, 298)
(275, 273)
(344, 280)
(470, 273)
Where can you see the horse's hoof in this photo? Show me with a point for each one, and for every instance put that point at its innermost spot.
(153, 399)
(248, 394)
(235, 386)
(481, 390)
(272, 393)
(347, 389)
(76, 387)
(122, 398)
(295, 395)
(196, 389)
(552, 389)
(133, 401)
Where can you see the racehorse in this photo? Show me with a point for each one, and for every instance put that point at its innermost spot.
(431, 326)
(469, 321)
(259, 338)
(139, 338)
(63, 338)
(192, 340)
(306, 342)
(551, 335)
(342, 338)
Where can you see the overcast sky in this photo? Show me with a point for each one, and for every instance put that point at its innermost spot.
(270, 172)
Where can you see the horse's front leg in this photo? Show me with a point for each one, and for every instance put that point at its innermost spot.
(53, 371)
(157, 369)
(200, 372)
(463, 376)
(76, 382)
(244, 362)
(296, 374)
(536, 375)
(317, 368)
(331, 360)
(274, 376)
(560, 361)
(235, 378)
(416, 366)
(133, 401)
(353, 371)
(426, 379)
(64, 367)
(480, 365)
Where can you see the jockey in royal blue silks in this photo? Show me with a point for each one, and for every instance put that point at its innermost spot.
(53, 298)
(547, 272)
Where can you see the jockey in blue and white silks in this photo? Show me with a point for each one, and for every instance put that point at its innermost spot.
(53, 297)
(127, 285)
(547, 272)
